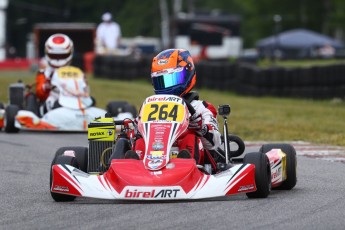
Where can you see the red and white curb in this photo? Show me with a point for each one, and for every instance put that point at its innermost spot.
(312, 150)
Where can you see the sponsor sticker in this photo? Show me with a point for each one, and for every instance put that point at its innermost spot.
(61, 188)
(156, 173)
(153, 193)
(70, 153)
(170, 166)
(155, 163)
(156, 154)
(162, 61)
(246, 187)
(158, 145)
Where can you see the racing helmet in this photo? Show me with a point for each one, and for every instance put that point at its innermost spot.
(58, 50)
(173, 72)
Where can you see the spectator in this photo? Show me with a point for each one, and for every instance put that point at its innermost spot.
(108, 35)
(327, 51)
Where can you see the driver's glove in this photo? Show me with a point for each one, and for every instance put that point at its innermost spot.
(196, 123)
(46, 86)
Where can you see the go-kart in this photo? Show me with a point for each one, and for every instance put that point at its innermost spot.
(102, 171)
(73, 110)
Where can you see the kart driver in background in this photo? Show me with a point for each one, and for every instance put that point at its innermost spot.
(173, 72)
(58, 53)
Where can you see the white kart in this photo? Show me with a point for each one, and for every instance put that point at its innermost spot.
(72, 111)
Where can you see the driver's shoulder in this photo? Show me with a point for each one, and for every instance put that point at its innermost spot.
(191, 96)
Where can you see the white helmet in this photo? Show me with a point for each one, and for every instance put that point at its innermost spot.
(59, 50)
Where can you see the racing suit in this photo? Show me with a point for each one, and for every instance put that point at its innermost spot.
(196, 141)
(44, 91)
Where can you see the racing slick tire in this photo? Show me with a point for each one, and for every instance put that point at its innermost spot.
(119, 150)
(10, 117)
(262, 174)
(31, 103)
(291, 163)
(16, 94)
(116, 107)
(131, 109)
(81, 154)
(68, 160)
(240, 145)
(1, 107)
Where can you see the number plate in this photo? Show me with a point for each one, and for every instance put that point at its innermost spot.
(168, 111)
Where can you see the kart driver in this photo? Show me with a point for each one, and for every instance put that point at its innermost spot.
(58, 53)
(173, 72)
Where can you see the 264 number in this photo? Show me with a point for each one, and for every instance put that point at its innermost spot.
(163, 112)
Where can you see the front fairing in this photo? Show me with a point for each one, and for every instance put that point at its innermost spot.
(59, 119)
(162, 119)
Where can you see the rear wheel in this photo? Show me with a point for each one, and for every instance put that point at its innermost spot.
(16, 94)
(10, 117)
(262, 174)
(291, 163)
(31, 103)
(68, 160)
(116, 107)
(240, 146)
(131, 109)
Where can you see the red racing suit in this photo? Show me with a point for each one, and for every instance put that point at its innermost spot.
(191, 140)
(43, 85)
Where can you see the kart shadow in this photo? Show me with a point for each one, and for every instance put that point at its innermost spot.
(275, 194)
(81, 201)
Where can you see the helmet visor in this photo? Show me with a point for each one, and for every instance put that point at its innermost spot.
(59, 56)
(169, 79)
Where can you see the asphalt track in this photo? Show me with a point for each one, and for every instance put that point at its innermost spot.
(317, 201)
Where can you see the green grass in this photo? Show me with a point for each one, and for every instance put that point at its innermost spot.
(265, 63)
(252, 118)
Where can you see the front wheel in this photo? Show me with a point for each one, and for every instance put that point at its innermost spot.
(10, 118)
(1, 118)
(291, 163)
(81, 154)
(67, 160)
(262, 174)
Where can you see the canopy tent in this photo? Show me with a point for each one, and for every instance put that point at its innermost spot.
(298, 43)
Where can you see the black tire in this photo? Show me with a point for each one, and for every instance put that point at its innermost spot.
(68, 160)
(1, 107)
(131, 109)
(291, 163)
(240, 145)
(121, 146)
(116, 107)
(262, 174)
(31, 103)
(93, 101)
(56, 105)
(10, 117)
(81, 154)
(16, 94)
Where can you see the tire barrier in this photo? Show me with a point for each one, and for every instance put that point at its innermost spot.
(316, 82)
(121, 68)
